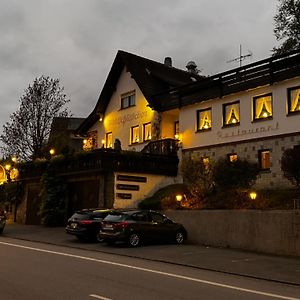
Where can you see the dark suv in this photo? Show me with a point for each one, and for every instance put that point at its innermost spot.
(135, 226)
(85, 224)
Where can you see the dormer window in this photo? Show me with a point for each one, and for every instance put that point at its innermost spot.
(128, 100)
(231, 114)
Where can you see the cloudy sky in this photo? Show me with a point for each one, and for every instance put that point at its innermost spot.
(77, 40)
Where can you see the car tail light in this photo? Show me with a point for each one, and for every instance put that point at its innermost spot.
(120, 225)
(86, 222)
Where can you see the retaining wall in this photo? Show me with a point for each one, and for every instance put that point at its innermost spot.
(274, 232)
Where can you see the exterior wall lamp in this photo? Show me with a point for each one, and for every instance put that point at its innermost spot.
(52, 151)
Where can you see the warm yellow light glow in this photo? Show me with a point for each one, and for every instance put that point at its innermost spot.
(14, 159)
(84, 141)
(179, 198)
(176, 136)
(252, 195)
(103, 141)
(100, 119)
(7, 167)
(52, 151)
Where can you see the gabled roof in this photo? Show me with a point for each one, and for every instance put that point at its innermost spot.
(151, 77)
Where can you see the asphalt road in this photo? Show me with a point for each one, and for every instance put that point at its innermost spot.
(31, 270)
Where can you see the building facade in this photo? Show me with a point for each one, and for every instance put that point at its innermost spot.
(252, 112)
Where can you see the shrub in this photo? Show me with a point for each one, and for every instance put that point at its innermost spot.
(290, 165)
(54, 197)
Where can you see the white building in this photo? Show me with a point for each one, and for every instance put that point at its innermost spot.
(251, 112)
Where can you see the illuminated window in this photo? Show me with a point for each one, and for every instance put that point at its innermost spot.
(231, 114)
(147, 132)
(294, 100)
(135, 134)
(232, 157)
(128, 100)
(176, 130)
(108, 140)
(262, 107)
(264, 159)
(204, 119)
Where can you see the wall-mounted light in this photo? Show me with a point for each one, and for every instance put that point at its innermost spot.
(84, 141)
(176, 136)
(14, 159)
(7, 167)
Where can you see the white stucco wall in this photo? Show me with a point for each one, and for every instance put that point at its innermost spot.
(146, 189)
(119, 121)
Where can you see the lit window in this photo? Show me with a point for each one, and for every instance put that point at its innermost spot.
(176, 130)
(232, 157)
(108, 140)
(294, 100)
(231, 114)
(135, 134)
(147, 132)
(127, 100)
(262, 107)
(204, 119)
(264, 159)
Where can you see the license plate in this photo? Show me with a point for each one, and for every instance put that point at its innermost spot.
(108, 227)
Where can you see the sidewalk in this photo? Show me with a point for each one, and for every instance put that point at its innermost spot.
(269, 267)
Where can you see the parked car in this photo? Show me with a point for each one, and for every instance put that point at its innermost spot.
(137, 226)
(85, 224)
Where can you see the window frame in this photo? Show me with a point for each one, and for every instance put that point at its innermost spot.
(254, 99)
(225, 116)
(107, 139)
(144, 132)
(132, 142)
(260, 160)
(128, 97)
(199, 111)
(289, 104)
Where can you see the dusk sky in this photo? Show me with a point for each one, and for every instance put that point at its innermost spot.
(77, 40)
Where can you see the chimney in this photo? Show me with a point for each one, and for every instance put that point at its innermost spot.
(168, 61)
(192, 68)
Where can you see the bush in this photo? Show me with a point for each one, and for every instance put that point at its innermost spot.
(54, 198)
(164, 198)
(290, 165)
(235, 174)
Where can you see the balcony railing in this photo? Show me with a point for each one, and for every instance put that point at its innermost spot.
(166, 147)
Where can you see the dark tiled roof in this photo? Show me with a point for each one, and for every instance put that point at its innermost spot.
(151, 77)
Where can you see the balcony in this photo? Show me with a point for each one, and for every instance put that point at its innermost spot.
(165, 147)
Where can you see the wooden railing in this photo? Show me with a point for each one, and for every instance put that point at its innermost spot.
(166, 147)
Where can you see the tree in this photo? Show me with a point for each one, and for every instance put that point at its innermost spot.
(235, 174)
(290, 165)
(27, 133)
(287, 26)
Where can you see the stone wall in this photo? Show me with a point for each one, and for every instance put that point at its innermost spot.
(271, 179)
(273, 232)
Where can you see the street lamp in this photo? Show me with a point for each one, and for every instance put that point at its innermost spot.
(52, 151)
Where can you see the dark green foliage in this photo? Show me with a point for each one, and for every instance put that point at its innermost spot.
(290, 165)
(164, 198)
(287, 26)
(236, 174)
(54, 198)
(198, 178)
(11, 192)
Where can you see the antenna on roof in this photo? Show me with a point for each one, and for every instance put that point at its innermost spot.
(241, 57)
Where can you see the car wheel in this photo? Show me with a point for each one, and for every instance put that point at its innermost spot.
(99, 239)
(179, 237)
(134, 240)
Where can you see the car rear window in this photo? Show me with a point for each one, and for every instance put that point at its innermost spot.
(81, 216)
(115, 217)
